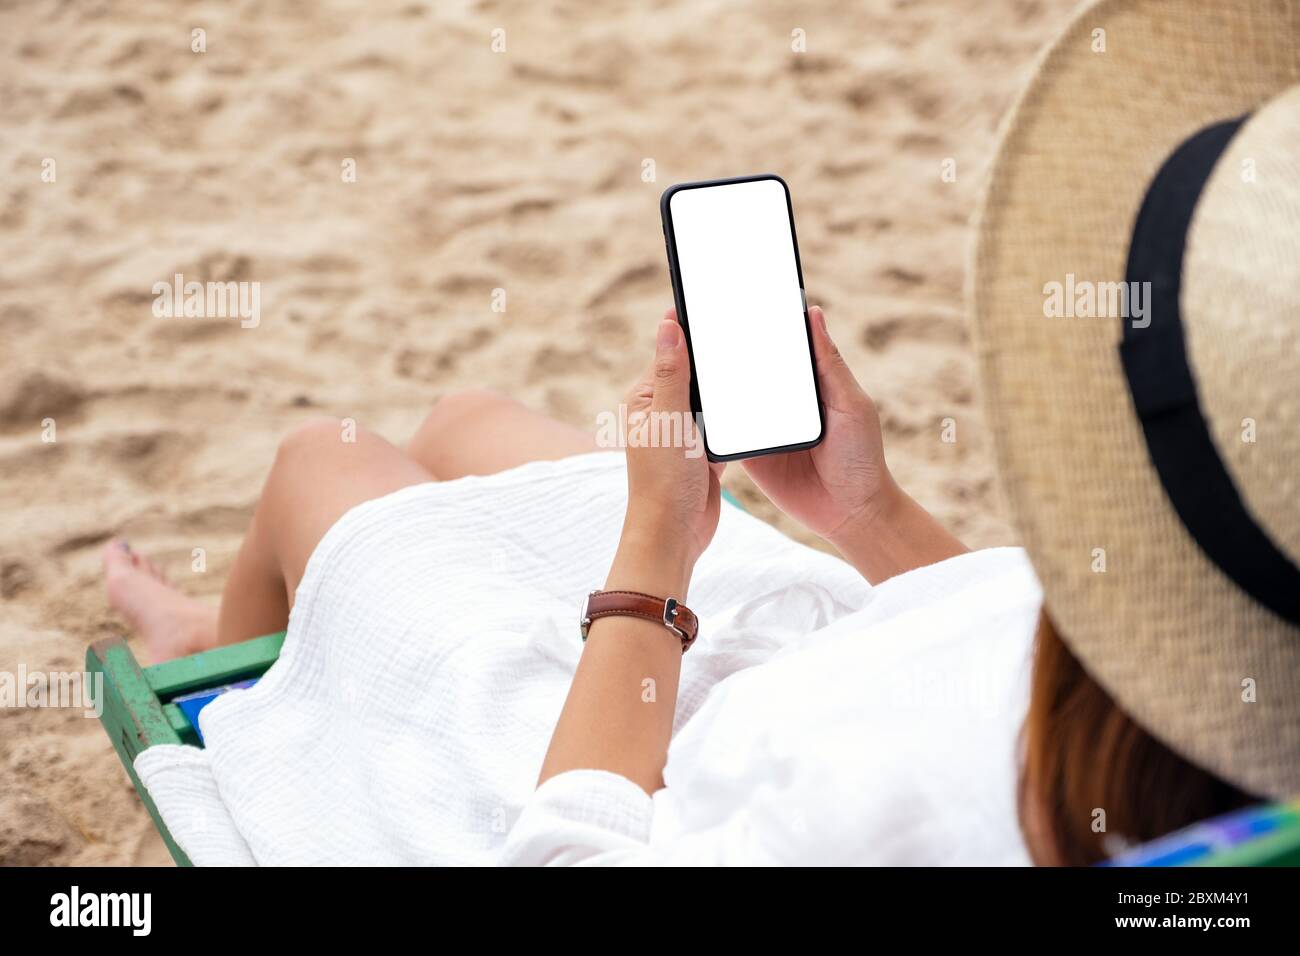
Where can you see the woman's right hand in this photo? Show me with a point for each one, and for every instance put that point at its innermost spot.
(844, 479)
(842, 489)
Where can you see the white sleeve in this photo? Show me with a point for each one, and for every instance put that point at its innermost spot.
(597, 818)
(582, 817)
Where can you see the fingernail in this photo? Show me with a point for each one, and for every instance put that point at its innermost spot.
(819, 317)
(668, 334)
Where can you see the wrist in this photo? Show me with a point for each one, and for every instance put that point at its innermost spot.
(894, 535)
(878, 513)
(653, 558)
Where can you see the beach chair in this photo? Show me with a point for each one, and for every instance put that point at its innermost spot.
(147, 706)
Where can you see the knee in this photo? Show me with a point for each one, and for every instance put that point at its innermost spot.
(467, 402)
(316, 442)
(458, 407)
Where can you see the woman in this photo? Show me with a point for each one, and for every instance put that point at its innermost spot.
(819, 719)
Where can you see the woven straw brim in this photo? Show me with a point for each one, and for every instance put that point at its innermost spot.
(1189, 656)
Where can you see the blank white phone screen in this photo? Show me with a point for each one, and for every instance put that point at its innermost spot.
(745, 311)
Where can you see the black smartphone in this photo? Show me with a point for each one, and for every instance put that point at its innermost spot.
(738, 287)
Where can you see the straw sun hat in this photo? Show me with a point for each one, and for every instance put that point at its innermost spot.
(1148, 438)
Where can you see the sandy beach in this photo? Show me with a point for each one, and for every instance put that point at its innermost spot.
(493, 148)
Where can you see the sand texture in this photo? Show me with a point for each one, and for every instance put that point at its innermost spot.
(522, 170)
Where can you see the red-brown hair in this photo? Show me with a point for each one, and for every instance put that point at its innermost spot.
(1081, 754)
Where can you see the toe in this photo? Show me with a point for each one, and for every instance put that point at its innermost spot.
(117, 555)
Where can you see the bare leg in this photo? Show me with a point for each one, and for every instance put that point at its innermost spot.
(315, 479)
(480, 432)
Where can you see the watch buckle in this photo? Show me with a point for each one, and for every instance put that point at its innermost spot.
(670, 618)
(585, 624)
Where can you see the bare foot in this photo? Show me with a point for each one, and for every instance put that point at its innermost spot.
(170, 623)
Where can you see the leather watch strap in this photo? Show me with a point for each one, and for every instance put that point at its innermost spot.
(678, 618)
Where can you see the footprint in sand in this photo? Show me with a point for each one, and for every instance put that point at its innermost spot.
(641, 278)
(423, 365)
(927, 327)
(15, 578)
(147, 457)
(30, 399)
(95, 100)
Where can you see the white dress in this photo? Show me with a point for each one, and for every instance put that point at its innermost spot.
(431, 646)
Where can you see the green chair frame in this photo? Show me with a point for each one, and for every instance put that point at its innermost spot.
(138, 712)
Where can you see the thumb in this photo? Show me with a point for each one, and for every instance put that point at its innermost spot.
(833, 372)
(672, 369)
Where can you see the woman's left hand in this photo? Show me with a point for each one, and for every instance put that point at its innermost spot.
(673, 490)
(672, 511)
